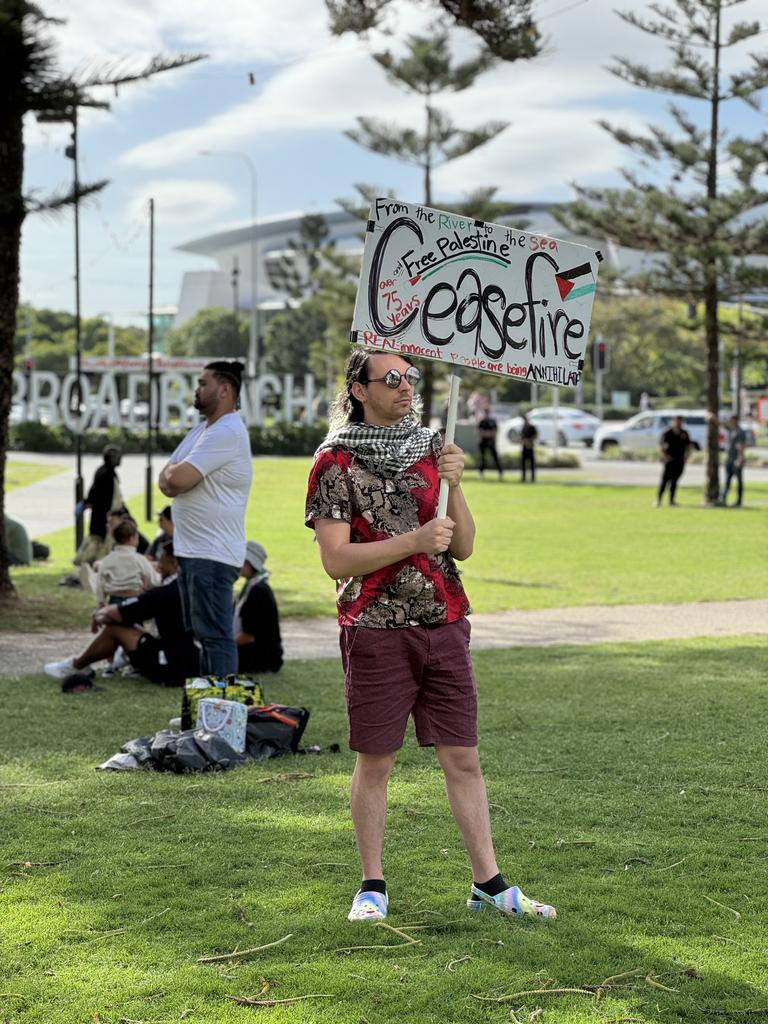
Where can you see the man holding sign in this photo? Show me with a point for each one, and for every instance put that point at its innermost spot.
(372, 497)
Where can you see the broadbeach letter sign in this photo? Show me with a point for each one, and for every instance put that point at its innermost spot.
(485, 296)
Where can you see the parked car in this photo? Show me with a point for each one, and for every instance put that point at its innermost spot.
(572, 425)
(645, 429)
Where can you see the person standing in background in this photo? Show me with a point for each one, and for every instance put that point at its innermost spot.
(734, 462)
(487, 429)
(103, 496)
(674, 448)
(528, 436)
(209, 477)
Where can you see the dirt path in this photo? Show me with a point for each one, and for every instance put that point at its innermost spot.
(25, 654)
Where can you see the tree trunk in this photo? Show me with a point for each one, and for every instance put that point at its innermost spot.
(711, 326)
(12, 71)
(711, 330)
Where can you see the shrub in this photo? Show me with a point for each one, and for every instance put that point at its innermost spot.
(272, 439)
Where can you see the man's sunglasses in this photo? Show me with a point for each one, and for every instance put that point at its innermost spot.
(392, 378)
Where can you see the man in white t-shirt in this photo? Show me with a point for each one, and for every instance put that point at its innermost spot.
(209, 477)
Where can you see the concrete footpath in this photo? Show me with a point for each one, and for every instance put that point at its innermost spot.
(26, 653)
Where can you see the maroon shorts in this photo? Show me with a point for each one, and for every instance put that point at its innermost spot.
(390, 674)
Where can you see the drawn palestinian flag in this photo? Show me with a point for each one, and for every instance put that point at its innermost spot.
(572, 284)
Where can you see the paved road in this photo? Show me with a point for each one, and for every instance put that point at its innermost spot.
(47, 505)
(25, 654)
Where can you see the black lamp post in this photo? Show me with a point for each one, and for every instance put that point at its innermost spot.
(69, 114)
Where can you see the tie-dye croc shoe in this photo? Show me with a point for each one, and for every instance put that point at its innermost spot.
(512, 901)
(369, 906)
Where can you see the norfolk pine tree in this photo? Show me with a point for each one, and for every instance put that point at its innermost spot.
(31, 82)
(705, 222)
(505, 27)
(294, 273)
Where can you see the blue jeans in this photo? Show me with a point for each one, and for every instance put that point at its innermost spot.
(205, 587)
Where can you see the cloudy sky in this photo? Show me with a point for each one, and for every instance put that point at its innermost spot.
(280, 89)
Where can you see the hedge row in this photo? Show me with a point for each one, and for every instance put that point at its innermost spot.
(276, 439)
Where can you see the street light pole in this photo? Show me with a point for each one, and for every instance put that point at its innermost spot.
(254, 344)
(150, 361)
(72, 153)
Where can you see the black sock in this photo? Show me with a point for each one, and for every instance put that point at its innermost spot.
(493, 886)
(374, 885)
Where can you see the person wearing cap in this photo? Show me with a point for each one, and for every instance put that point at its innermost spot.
(103, 496)
(209, 478)
(256, 621)
(371, 500)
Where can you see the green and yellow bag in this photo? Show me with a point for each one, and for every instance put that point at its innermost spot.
(243, 689)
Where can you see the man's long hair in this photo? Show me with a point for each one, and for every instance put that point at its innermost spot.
(345, 408)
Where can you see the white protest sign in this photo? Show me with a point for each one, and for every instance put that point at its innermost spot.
(441, 286)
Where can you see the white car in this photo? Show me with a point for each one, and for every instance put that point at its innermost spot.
(572, 425)
(645, 429)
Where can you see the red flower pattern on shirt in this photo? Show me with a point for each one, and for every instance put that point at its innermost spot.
(419, 590)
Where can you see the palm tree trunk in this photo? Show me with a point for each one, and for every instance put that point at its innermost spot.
(11, 217)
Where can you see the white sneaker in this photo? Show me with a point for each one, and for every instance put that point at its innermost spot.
(60, 669)
(369, 906)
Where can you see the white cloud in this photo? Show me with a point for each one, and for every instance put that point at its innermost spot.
(230, 30)
(311, 96)
(181, 201)
(325, 93)
(543, 150)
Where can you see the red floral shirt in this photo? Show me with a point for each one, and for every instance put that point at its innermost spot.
(420, 590)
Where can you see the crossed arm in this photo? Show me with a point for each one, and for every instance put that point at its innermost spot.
(177, 478)
(455, 533)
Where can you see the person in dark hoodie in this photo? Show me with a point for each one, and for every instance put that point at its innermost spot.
(103, 496)
(167, 659)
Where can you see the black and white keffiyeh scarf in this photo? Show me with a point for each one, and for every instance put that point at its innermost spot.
(384, 450)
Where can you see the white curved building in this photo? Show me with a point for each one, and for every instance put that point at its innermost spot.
(268, 240)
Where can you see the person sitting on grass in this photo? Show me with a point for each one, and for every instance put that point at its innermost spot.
(167, 659)
(165, 522)
(22, 550)
(120, 515)
(17, 542)
(257, 624)
(124, 572)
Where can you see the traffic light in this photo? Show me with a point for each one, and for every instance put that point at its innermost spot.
(28, 366)
(599, 354)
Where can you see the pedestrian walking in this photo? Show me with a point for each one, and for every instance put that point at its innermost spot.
(372, 496)
(528, 437)
(674, 448)
(209, 478)
(734, 460)
(487, 429)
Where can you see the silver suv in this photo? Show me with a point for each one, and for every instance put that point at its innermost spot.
(645, 429)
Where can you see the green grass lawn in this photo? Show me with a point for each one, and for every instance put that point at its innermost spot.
(552, 545)
(627, 786)
(22, 474)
